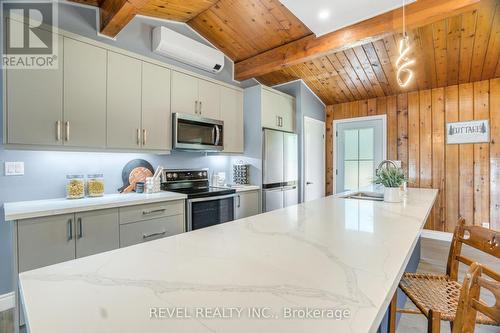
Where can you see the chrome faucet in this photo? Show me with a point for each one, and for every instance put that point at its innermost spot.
(384, 162)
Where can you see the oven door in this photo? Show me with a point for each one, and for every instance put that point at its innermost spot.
(205, 212)
(197, 133)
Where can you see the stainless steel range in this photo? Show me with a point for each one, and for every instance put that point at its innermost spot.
(205, 205)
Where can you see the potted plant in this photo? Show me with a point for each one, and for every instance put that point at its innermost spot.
(392, 178)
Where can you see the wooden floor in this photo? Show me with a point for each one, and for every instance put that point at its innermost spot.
(433, 260)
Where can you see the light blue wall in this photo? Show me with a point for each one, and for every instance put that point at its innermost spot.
(307, 105)
(45, 171)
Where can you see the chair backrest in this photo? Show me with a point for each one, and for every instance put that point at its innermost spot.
(482, 239)
(470, 303)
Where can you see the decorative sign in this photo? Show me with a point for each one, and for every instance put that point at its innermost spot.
(475, 131)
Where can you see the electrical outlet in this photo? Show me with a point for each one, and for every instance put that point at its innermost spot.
(14, 168)
(486, 225)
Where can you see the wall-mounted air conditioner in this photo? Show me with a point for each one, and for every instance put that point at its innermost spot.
(171, 44)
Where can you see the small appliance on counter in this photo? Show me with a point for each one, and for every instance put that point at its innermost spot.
(205, 205)
(241, 174)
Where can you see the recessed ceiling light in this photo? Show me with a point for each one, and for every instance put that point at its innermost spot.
(324, 14)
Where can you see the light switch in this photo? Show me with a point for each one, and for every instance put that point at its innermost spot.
(14, 168)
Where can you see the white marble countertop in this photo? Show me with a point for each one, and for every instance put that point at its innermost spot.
(328, 254)
(38, 208)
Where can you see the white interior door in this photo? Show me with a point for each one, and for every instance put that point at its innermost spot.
(360, 145)
(314, 159)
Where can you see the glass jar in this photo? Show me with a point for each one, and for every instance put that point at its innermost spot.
(75, 187)
(95, 185)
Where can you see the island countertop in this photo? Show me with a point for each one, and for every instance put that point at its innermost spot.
(331, 254)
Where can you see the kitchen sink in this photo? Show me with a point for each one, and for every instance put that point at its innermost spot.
(374, 196)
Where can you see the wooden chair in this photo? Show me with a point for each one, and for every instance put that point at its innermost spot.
(437, 296)
(470, 303)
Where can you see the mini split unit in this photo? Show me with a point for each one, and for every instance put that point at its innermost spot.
(171, 44)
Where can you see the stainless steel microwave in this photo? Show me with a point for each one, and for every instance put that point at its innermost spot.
(197, 133)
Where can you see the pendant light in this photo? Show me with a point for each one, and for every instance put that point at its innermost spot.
(404, 75)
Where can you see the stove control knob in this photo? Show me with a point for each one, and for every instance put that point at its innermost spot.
(175, 175)
(200, 174)
(204, 173)
(169, 175)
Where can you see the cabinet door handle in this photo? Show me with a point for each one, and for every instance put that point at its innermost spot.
(239, 201)
(58, 130)
(149, 212)
(80, 228)
(201, 105)
(278, 121)
(196, 107)
(67, 130)
(281, 121)
(70, 229)
(144, 136)
(153, 234)
(138, 136)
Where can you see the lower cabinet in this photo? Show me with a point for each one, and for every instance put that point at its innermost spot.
(50, 240)
(45, 241)
(96, 232)
(143, 231)
(246, 204)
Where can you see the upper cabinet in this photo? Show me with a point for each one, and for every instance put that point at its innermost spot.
(34, 105)
(156, 115)
(100, 97)
(278, 110)
(194, 96)
(184, 93)
(84, 95)
(231, 112)
(124, 102)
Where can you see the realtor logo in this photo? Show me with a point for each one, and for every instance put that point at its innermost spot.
(29, 39)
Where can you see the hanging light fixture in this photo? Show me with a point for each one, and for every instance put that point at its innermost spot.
(404, 75)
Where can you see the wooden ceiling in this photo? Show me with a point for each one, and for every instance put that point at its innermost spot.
(459, 49)
(245, 28)
(453, 41)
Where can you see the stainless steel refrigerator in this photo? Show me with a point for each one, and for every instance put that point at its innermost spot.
(280, 170)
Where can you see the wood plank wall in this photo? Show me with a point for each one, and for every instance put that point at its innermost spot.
(467, 176)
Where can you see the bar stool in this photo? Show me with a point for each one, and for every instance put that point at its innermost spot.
(437, 296)
(470, 303)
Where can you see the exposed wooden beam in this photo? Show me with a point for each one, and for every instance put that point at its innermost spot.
(418, 14)
(116, 14)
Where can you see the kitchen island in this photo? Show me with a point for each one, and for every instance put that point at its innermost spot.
(330, 265)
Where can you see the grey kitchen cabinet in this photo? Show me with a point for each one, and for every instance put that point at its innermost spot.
(45, 241)
(231, 112)
(156, 115)
(50, 240)
(194, 96)
(246, 204)
(143, 231)
(209, 99)
(184, 93)
(84, 122)
(34, 103)
(123, 102)
(96, 231)
(278, 110)
(150, 211)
